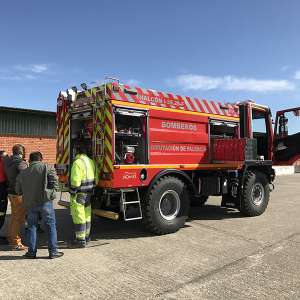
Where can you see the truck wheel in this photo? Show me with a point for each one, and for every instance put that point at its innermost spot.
(198, 201)
(166, 207)
(255, 195)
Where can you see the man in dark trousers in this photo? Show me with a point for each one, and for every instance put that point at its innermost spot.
(38, 184)
(3, 194)
(12, 167)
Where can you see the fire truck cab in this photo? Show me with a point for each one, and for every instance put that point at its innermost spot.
(158, 154)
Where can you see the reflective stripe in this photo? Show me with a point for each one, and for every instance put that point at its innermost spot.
(83, 199)
(80, 235)
(87, 182)
(88, 225)
(88, 229)
(86, 188)
(73, 189)
(83, 189)
(80, 227)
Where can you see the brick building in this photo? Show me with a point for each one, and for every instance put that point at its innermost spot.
(34, 129)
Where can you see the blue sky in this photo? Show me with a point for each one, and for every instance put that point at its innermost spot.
(225, 50)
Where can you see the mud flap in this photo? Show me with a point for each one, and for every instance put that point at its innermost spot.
(229, 201)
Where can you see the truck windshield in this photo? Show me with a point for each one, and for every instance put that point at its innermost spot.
(222, 129)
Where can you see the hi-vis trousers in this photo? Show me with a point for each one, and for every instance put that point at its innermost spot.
(81, 214)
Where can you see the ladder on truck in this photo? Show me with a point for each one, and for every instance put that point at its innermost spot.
(133, 205)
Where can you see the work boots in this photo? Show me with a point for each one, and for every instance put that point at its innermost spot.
(78, 244)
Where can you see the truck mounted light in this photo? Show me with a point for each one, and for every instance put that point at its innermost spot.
(74, 88)
(143, 175)
(84, 86)
(71, 95)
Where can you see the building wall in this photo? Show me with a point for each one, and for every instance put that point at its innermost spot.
(43, 144)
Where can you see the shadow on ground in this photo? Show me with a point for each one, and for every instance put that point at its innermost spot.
(105, 229)
(213, 212)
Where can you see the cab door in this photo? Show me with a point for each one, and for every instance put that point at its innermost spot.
(287, 136)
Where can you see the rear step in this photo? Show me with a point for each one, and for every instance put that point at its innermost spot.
(132, 207)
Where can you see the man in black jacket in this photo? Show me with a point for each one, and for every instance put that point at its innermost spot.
(38, 184)
(12, 166)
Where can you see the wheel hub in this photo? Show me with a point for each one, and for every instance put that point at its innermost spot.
(169, 205)
(257, 194)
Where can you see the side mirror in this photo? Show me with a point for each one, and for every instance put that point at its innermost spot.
(283, 128)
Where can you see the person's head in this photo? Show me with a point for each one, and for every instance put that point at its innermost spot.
(18, 149)
(2, 154)
(35, 156)
(82, 148)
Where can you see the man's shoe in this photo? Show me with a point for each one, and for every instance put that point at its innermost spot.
(87, 240)
(77, 244)
(29, 255)
(56, 255)
(19, 247)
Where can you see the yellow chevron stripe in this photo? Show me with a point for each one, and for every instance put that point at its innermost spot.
(60, 141)
(62, 126)
(108, 145)
(62, 115)
(66, 130)
(98, 129)
(109, 163)
(66, 118)
(136, 105)
(108, 130)
(61, 129)
(64, 159)
(108, 114)
(66, 145)
(87, 93)
(98, 115)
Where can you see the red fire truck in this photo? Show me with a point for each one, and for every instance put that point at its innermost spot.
(158, 153)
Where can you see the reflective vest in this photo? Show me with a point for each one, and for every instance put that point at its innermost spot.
(82, 175)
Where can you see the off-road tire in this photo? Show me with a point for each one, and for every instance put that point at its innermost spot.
(198, 201)
(152, 216)
(255, 182)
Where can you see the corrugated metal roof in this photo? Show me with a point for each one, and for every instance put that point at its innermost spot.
(27, 122)
(6, 108)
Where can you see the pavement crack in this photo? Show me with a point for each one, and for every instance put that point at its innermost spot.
(209, 274)
(229, 233)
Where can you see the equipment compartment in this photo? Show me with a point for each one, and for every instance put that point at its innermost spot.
(81, 130)
(130, 136)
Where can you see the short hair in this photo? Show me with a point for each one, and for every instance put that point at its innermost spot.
(3, 153)
(18, 149)
(83, 148)
(35, 156)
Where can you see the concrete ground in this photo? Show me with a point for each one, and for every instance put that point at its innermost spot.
(218, 255)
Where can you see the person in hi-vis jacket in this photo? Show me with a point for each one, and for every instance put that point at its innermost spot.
(82, 182)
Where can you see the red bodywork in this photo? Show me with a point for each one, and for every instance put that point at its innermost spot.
(177, 133)
(220, 149)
